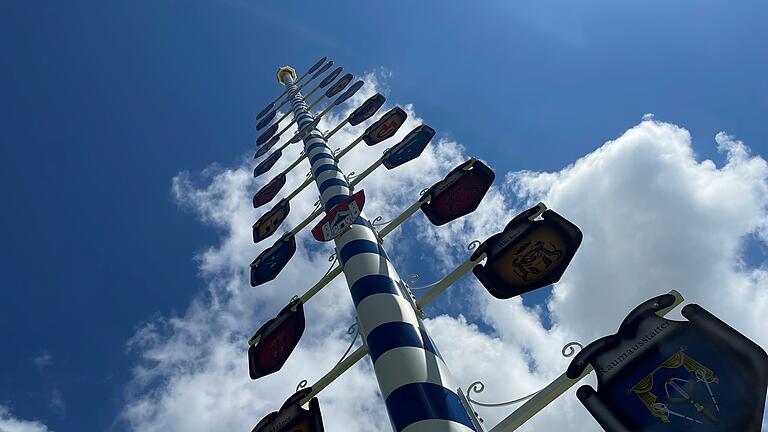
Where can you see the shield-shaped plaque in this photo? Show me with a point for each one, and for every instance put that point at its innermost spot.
(292, 417)
(331, 76)
(274, 341)
(261, 151)
(458, 194)
(267, 163)
(339, 218)
(269, 191)
(349, 92)
(340, 85)
(656, 374)
(528, 254)
(270, 221)
(409, 148)
(385, 127)
(271, 262)
(267, 134)
(367, 109)
(266, 120)
(266, 109)
(317, 65)
(322, 70)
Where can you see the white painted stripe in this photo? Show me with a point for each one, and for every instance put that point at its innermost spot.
(436, 425)
(320, 162)
(423, 367)
(357, 232)
(377, 309)
(365, 264)
(333, 191)
(325, 175)
(317, 150)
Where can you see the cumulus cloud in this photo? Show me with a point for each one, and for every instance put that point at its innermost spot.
(654, 218)
(9, 423)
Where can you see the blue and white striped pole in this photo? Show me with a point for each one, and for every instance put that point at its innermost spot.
(415, 383)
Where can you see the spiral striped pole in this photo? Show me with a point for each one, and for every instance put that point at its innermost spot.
(415, 383)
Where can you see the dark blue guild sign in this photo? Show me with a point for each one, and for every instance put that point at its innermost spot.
(266, 135)
(292, 417)
(261, 151)
(263, 112)
(340, 85)
(317, 65)
(265, 121)
(349, 93)
(458, 194)
(528, 254)
(267, 163)
(409, 148)
(271, 261)
(331, 76)
(655, 374)
(367, 109)
(322, 70)
(271, 221)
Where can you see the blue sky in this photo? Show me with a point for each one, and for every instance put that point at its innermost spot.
(103, 103)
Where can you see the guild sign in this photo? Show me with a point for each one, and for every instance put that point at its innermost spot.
(339, 86)
(270, 262)
(292, 417)
(339, 218)
(458, 194)
(367, 109)
(385, 127)
(349, 93)
(274, 341)
(322, 70)
(409, 148)
(331, 76)
(528, 254)
(316, 65)
(267, 163)
(660, 375)
(266, 135)
(269, 190)
(265, 110)
(265, 121)
(270, 221)
(261, 151)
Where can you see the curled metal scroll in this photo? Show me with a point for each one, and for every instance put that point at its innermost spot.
(478, 386)
(377, 221)
(474, 244)
(302, 384)
(353, 329)
(423, 191)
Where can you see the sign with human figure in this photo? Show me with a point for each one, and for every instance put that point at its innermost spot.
(528, 254)
(458, 194)
(274, 341)
(271, 261)
(656, 374)
(339, 218)
(292, 417)
(271, 221)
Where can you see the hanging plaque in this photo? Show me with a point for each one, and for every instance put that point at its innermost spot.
(409, 148)
(292, 417)
(268, 191)
(274, 341)
(458, 194)
(270, 221)
(385, 127)
(367, 109)
(267, 163)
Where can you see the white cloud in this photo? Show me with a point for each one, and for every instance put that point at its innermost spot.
(654, 219)
(9, 423)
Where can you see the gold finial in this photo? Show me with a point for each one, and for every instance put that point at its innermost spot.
(283, 71)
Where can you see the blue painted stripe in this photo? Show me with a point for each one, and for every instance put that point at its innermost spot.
(424, 401)
(314, 146)
(357, 247)
(395, 335)
(372, 284)
(319, 156)
(335, 200)
(327, 167)
(331, 182)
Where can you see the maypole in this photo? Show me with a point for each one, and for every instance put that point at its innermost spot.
(416, 385)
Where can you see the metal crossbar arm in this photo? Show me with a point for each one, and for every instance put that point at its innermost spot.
(299, 189)
(360, 177)
(351, 145)
(555, 389)
(306, 221)
(337, 128)
(336, 372)
(400, 219)
(321, 284)
(448, 281)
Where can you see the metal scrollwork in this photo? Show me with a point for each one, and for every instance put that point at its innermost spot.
(569, 347)
(302, 384)
(474, 244)
(478, 387)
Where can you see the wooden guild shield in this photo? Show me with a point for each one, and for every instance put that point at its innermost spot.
(458, 194)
